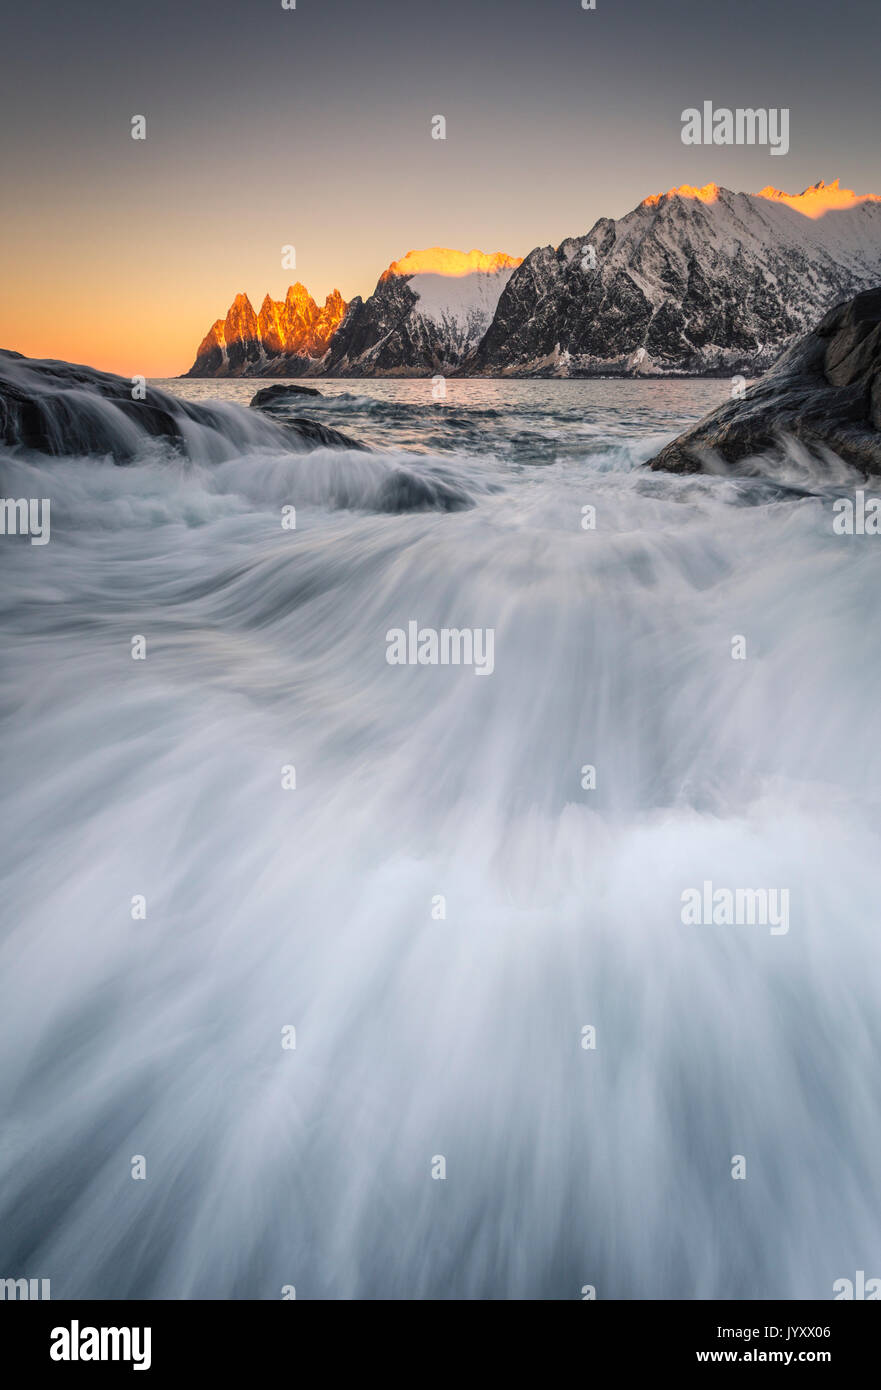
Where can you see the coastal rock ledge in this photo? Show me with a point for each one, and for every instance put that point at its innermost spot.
(825, 390)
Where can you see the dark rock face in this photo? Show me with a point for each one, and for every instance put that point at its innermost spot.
(62, 409)
(380, 327)
(427, 315)
(693, 282)
(825, 391)
(311, 432)
(275, 395)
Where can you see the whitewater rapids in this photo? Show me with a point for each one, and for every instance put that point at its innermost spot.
(418, 1036)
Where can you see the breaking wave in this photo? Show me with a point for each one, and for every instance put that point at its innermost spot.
(421, 1035)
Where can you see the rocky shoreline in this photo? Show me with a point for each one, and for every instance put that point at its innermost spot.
(62, 409)
(825, 391)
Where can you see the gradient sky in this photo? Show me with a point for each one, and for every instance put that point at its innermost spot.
(312, 127)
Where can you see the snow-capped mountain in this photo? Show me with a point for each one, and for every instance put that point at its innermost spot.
(428, 313)
(692, 281)
(696, 280)
(287, 338)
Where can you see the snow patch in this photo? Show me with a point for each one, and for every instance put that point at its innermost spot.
(463, 304)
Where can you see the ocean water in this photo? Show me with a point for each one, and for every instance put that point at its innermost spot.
(439, 908)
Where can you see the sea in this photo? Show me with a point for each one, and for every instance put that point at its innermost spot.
(372, 822)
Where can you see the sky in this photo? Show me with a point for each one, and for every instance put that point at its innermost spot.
(311, 127)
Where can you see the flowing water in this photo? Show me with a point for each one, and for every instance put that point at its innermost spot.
(439, 907)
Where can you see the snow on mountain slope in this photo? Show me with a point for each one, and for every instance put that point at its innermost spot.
(693, 280)
(428, 312)
(463, 309)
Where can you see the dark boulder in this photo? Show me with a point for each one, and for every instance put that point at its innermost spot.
(322, 435)
(825, 391)
(277, 395)
(63, 409)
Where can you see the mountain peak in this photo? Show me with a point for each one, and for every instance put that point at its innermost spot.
(697, 280)
(820, 198)
(429, 311)
(292, 328)
(813, 202)
(708, 194)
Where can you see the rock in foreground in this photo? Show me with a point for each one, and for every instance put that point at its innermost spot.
(60, 408)
(825, 391)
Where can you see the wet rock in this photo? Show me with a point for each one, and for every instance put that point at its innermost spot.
(277, 395)
(824, 391)
(63, 409)
(318, 435)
